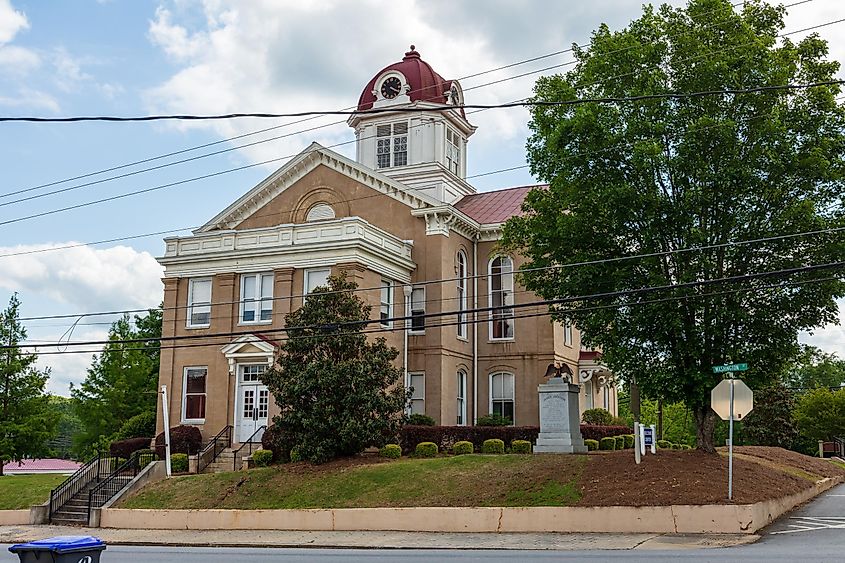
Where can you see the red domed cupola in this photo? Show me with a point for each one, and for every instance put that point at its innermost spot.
(411, 78)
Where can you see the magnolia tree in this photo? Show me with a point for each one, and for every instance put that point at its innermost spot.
(338, 390)
(637, 186)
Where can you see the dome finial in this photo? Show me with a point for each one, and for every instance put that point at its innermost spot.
(413, 47)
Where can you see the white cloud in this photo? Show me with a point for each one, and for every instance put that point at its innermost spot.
(11, 22)
(31, 99)
(68, 70)
(86, 278)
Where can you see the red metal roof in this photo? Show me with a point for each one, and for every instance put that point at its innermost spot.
(425, 84)
(496, 206)
(41, 466)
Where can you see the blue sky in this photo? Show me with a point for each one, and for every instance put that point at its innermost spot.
(136, 57)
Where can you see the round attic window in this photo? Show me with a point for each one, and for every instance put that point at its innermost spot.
(320, 212)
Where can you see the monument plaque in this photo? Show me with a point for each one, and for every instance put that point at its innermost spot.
(560, 430)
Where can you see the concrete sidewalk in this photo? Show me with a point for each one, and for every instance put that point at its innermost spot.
(378, 540)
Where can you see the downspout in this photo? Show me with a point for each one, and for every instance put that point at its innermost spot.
(407, 291)
(475, 330)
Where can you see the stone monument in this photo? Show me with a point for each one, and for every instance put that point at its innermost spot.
(560, 429)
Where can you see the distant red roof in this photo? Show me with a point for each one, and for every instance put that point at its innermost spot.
(425, 84)
(495, 207)
(41, 466)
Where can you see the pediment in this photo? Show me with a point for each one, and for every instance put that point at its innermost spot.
(247, 345)
(296, 169)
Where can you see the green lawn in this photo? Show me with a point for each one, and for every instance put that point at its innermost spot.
(470, 480)
(22, 491)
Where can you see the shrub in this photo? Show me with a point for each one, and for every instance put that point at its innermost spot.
(599, 417)
(125, 448)
(664, 444)
(446, 436)
(294, 456)
(685, 447)
(139, 426)
(426, 449)
(493, 446)
(521, 447)
(463, 447)
(279, 441)
(391, 451)
(595, 432)
(621, 421)
(608, 443)
(629, 441)
(420, 420)
(620, 442)
(179, 463)
(592, 445)
(674, 446)
(262, 458)
(183, 440)
(494, 420)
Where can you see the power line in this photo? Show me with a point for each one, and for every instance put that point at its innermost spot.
(393, 110)
(491, 309)
(407, 323)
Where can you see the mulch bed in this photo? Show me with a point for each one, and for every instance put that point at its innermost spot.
(814, 465)
(689, 477)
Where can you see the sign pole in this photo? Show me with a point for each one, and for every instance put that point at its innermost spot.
(731, 443)
(637, 442)
(165, 416)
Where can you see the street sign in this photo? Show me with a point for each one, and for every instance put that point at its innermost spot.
(648, 435)
(732, 400)
(730, 367)
(720, 399)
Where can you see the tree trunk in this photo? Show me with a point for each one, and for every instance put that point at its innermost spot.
(705, 423)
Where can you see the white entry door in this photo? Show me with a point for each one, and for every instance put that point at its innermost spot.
(253, 402)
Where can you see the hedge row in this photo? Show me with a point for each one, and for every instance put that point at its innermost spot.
(446, 436)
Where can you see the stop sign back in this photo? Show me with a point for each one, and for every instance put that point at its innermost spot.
(720, 399)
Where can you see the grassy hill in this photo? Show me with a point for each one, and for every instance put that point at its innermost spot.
(597, 479)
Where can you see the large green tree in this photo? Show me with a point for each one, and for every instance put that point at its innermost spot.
(121, 381)
(821, 414)
(26, 423)
(338, 390)
(660, 176)
(814, 368)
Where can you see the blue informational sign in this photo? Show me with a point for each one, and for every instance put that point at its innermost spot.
(648, 436)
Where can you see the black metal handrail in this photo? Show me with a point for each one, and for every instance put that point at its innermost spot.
(89, 472)
(249, 442)
(215, 446)
(839, 447)
(105, 490)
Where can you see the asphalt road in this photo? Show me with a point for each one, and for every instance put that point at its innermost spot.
(816, 532)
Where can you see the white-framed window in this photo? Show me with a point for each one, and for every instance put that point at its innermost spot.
(567, 334)
(606, 397)
(462, 294)
(386, 303)
(417, 382)
(418, 309)
(502, 395)
(320, 212)
(462, 398)
(501, 298)
(315, 278)
(193, 394)
(256, 298)
(588, 395)
(392, 145)
(453, 152)
(251, 373)
(199, 303)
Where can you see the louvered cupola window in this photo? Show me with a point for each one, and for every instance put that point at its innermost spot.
(392, 145)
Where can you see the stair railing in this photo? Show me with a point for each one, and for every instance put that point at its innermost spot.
(250, 443)
(839, 447)
(105, 490)
(213, 448)
(90, 471)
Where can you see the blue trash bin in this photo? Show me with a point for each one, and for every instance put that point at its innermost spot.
(61, 549)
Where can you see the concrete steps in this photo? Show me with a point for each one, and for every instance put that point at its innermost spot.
(74, 512)
(225, 462)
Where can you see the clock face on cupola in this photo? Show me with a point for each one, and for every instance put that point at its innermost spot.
(391, 87)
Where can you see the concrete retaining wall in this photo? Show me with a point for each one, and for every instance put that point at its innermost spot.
(14, 517)
(729, 519)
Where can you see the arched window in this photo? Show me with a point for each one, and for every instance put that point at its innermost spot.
(462, 398)
(320, 212)
(502, 395)
(462, 294)
(501, 298)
